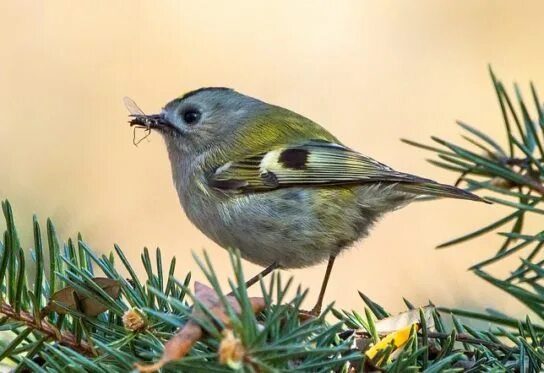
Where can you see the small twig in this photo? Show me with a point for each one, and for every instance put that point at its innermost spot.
(462, 337)
(522, 163)
(535, 185)
(64, 338)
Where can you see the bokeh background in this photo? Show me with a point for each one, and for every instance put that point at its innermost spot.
(370, 71)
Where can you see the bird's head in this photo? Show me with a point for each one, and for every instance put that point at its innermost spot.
(201, 120)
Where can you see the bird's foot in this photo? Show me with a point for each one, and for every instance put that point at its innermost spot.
(304, 315)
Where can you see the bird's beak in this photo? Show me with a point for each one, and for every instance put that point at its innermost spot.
(153, 121)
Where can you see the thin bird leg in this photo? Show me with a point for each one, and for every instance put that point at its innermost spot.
(262, 274)
(317, 308)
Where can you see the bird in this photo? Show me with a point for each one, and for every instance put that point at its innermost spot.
(274, 184)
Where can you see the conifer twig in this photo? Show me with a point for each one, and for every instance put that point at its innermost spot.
(65, 338)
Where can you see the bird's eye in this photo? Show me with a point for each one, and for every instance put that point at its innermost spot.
(191, 116)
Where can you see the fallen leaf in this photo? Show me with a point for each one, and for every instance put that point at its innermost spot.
(181, 343)
(395, 331)
(404, 319)
(72, 299)
(397, 339)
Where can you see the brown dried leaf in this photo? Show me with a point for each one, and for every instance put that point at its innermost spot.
(177, 347)
(209, 298)
(180, 344)
(89, 306)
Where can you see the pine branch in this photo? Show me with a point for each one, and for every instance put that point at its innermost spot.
(517, 175)
(96, 337)
(50, 331)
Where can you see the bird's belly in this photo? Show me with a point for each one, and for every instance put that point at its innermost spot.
(294, 227)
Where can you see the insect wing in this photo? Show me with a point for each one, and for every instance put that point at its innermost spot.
(132, 107)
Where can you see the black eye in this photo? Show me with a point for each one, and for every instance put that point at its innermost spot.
(191, 116)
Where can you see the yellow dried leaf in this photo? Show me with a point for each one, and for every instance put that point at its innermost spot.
(397, 339)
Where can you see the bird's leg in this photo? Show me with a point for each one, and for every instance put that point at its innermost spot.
(317, 308)
(262, 274)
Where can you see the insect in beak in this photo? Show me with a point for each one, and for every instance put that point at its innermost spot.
(148, 121)
(141, 120)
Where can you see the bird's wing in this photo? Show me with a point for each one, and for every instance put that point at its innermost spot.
(312, 163)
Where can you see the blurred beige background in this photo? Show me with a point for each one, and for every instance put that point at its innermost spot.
(370, 71)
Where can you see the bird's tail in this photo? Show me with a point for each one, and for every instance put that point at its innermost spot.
(434, 189)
